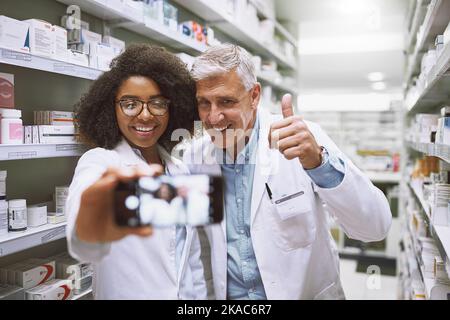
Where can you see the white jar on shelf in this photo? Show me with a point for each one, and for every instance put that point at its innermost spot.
(17, 215)
(11, 126)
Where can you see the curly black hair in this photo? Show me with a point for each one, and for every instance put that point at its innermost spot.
(95, 112)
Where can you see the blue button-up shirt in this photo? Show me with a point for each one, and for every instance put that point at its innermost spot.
(244, 278)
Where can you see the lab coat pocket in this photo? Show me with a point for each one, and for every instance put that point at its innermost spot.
(293, 229)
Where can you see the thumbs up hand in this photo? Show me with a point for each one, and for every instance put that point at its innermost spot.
(293, 139)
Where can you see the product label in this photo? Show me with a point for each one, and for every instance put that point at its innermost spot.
(15, 132)
(17, 218)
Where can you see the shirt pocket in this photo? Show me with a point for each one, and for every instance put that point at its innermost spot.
(296, 230)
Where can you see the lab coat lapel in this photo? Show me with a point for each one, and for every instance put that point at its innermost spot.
(266, 163)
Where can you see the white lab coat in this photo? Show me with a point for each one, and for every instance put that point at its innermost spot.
(297, 256)
(134, 267)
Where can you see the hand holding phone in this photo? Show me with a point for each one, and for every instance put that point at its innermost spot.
(95, 221)
(164, 201)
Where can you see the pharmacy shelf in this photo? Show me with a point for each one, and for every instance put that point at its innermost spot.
(81, 295)
(435, 22)
(437, 91)
(383, 177)
(441, 151)
(434, 290)
(282, 30)
(35, 151)
(277, 85)
(32, 237)
(155, 31)
(227, 24)
(26, 60)
(415, 25)
(440, 234)
(443, 234)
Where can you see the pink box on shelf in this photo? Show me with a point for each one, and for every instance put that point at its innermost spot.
(6, 90)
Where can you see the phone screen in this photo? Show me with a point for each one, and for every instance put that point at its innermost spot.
(170, 200)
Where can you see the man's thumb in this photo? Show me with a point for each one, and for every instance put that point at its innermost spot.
(286, 106)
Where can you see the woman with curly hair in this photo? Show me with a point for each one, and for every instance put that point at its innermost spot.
(128, 115)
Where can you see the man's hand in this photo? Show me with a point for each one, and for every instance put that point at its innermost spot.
(95, 222)
(293, 139)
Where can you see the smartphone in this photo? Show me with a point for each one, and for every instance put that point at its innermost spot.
(163, 201)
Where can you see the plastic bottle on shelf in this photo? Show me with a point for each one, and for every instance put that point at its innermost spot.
(3, 183)
(11, 127)
(3, 215)
(17, 215)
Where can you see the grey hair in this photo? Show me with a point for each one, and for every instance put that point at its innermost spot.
(222, 59)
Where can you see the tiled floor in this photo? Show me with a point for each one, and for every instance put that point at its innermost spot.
(360, 286)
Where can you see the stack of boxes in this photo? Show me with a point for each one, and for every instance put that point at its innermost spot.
(54, 278)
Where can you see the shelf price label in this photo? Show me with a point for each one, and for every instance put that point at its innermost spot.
(54, 234)
(22, 155)
(14, 55)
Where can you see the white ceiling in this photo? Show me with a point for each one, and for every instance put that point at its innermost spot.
(341, 41)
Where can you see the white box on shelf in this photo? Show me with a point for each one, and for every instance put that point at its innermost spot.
(101, 55)
(78, 58)
(89, 39)
(57, 289)
(52, 218)
(13, 34)
(154, 11)
(447, 35)
(116, 44)
(60, 44)
(41, 38)
(266, 31)
(57, 134)
(439, 216)
(31, 273)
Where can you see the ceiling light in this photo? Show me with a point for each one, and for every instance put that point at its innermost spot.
(375, 76)
(379, 86)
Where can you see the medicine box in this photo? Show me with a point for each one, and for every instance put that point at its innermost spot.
(57, 134)
(13, 34)
(60, 43)
(41, 38)
(57, 289)
(116, 44)
(30, 273)
(6, 90)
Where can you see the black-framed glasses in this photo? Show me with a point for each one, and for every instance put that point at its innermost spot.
(133, 107)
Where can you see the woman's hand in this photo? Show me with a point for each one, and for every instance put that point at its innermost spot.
(95, 222)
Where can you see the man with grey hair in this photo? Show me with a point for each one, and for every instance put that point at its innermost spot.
(274, 242)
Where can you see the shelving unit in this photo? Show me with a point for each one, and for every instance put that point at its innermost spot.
(36, 151)
(153, 31)
(438, 89)
(18, 241)
(228, 25)
(26, 60)
(277, 85)
(434, 22)
(81, 295)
